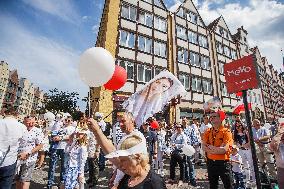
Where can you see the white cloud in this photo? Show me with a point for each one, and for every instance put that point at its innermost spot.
(63, 9)
(262, 19)
(95, 28)
(43, 61)
(85, 17)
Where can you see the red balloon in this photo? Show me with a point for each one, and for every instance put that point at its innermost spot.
(117, 80)
(154, 124)
(239, 94)
(222, 114)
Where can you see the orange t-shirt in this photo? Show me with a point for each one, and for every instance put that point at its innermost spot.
(220, 137)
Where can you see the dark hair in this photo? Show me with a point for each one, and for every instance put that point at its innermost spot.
(179, 125)
(236, 131)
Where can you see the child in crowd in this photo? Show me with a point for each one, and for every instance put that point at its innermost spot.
(158, 163)
(237, 169)
(78, 154)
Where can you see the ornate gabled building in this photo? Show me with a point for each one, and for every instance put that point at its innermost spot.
(224, 50)
(192, 63)
(4, 79)
(25, 97)
(146, 38)
(11, 91)
(37, 100)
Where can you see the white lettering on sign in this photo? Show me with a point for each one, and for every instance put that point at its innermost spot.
(243, 81)
(238, 71)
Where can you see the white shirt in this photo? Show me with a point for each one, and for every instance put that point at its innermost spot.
(67, 131)
(161, 135)
(204, 127)
(29, 141)
(11, 131)
(197, 132)
(117, 134)
(236, 167)
(261, 132)
(77, 156)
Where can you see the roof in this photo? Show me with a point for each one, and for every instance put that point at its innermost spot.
(213, 24)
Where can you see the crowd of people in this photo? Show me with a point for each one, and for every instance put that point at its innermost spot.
(137, 154)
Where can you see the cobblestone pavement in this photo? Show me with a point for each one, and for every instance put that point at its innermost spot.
(40, 178)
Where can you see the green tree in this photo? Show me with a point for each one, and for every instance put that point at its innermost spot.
(61, 101)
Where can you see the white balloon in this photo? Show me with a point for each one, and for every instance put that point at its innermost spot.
(96, 66)
(188, 150)
(49, 116)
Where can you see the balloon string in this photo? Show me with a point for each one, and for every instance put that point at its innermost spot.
(89, 103)
(96, 105)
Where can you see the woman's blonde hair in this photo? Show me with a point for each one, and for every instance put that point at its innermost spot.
(83, 141)
(131, 141)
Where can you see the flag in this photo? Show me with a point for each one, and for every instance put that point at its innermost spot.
(240, 107)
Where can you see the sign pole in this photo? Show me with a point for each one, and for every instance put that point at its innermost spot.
(252, 144)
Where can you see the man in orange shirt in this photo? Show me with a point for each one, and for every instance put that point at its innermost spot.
(216, 143)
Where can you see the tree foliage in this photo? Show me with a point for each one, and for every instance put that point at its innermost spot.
(61, 101)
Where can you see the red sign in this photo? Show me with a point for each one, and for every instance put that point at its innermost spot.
(241, 74)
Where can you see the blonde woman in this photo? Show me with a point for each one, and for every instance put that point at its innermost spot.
(77, 158)
(132, 158)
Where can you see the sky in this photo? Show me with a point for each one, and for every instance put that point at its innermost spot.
(43, 39)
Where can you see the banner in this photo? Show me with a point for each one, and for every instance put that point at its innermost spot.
(153, 96)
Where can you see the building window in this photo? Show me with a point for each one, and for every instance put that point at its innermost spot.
(182, 55)
(160, 24)
(146, 18)
(127, 39)
(145, 44)
(227, 51)
(181, 12)
(207, 86)
(192, 17)
(184, 79)
(160, 49)
(192, 37)
(157, 70)
(144, 73)
(205, 62)
(223, 32)
(203, 41)
(219, 47)
(196, 84)
(129, 67)
(194, 59)
(140, 70)
(233, 54)
(157, 3)
(221, 67)
(224, 89)
(181, 32)
(128, 12)
(148, 73)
